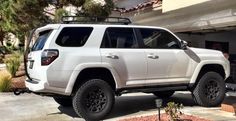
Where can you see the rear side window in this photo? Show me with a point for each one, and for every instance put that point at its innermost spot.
(41, 40)
(119, 38)
(74, 36)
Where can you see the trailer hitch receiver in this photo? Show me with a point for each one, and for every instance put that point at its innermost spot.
(19, 91)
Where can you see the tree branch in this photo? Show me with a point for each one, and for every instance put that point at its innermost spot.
(49, 13)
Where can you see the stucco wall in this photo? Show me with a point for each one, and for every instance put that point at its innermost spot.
(170, 5)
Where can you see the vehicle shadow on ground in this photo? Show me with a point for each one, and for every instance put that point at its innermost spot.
(131, 104)
(126, 105)
(68, 111)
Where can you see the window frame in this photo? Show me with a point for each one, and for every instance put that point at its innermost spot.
(106, 32)
(141, 42)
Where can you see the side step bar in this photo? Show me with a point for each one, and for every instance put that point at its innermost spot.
(230, 87)
(19, 91)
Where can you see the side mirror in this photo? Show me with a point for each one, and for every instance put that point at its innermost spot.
(184, 44)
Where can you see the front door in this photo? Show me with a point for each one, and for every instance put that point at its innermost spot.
(167, 62)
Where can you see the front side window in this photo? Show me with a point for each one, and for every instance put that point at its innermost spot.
(41, 40)
(74, 36)
(157, 38)
(119, 38)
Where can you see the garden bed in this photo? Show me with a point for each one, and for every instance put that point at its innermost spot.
(18, 82)
(164, 117)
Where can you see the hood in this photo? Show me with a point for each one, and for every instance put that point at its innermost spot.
(206, 51)
(207, 54)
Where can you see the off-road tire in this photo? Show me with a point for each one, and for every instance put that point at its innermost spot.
(63, 101)
(210, 90)
(164, 94)
(93, 100)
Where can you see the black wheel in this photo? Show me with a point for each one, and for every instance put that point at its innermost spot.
(210, 90)
(93, 100)
(164, 94)
(63, 101)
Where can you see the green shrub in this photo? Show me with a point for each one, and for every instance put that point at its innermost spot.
(5, 81)
(173, 110)
(13, 63)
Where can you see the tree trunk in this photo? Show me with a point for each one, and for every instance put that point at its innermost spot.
(1, 37)
(26, 42)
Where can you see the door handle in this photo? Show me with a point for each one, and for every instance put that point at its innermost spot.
(112, 56)
(152, 56)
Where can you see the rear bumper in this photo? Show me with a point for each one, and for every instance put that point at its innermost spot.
(44, 88)
(35, 86)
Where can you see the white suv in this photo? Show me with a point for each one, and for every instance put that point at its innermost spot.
(86, 65)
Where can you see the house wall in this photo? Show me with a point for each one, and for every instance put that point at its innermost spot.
(193, 40)
(198, 40)
(199, 15)
(229, 36)
(170, 5)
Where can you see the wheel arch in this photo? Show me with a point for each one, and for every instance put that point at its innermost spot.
(216, 67)
(94, 72)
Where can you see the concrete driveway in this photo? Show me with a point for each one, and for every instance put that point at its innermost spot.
(30, 107)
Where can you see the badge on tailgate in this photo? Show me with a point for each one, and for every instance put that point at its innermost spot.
(31, 64)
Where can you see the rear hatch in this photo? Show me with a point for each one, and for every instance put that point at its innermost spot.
(34, 68)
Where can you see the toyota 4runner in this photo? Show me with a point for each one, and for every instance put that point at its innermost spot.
(87, 65)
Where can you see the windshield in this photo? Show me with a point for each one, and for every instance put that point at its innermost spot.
(40, 39)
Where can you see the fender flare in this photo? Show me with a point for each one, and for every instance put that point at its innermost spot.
(209, 62)
(81, 67)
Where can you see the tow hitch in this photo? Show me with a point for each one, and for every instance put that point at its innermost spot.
(21, 91)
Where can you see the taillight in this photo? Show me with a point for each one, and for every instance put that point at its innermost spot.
(48, 56)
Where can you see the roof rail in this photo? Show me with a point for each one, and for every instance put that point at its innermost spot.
(95, 20)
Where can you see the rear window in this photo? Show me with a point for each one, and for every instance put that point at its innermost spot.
(41, 40)
(74, 36)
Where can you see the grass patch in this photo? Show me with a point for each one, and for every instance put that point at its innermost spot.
(13, 63)
(5, 81)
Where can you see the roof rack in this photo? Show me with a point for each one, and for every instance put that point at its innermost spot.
(95, 20)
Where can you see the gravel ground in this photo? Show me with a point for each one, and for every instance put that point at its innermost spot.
(30, 107)
(165, 117)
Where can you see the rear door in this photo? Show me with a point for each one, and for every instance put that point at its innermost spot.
(120, 50)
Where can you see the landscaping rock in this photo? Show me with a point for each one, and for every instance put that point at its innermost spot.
(18, 82)
(20, 73)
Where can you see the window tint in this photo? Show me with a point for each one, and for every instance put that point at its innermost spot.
(41, 40)
(74, 36)
(119, 38)
(156, 38)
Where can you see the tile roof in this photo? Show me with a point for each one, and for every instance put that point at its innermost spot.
(139, 6)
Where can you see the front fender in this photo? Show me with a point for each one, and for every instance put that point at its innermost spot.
(224, 64)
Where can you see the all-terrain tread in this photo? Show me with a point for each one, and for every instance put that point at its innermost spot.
(198, 97)
(79, 93)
